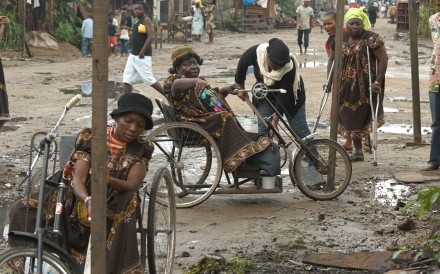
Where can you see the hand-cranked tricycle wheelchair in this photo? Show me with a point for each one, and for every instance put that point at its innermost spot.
(321, 168)
(47, 249)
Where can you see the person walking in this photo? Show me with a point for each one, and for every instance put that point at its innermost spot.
(139, 62)
(304, 17)
(373, 8)
(434, 92)
(276, 67)
(354, 111)
(87, 35)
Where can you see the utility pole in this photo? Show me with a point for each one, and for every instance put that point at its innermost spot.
(99, 145)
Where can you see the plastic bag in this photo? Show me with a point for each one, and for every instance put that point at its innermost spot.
(248, 2)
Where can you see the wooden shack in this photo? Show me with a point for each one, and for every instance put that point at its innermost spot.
(254, 17)
(171, 14)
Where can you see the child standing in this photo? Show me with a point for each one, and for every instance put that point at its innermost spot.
(112, 43)
(124, 38)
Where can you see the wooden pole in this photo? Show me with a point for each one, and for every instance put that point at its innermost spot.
(417, 128)
(337, 67)
(23, 27)
(99, 147)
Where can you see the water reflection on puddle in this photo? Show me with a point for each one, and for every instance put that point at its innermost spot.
(85, 89)
(390, 110)
(401, 129)
(388, 192)
(312, 64)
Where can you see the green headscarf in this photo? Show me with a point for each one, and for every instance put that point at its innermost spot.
(359, 14)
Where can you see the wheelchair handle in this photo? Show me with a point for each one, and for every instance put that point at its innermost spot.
(280, 90)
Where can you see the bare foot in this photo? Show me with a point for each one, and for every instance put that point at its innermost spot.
(209, 42)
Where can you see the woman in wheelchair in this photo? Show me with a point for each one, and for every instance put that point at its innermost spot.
(195, 101)
(127, 163)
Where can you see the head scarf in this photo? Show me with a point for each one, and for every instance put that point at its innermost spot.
(359, 14)
(180, 51)
(198, 2)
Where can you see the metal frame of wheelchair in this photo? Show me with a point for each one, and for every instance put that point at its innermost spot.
(171, 132)
(243, 174)
(156, 229)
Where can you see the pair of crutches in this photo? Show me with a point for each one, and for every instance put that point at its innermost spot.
(374, 111)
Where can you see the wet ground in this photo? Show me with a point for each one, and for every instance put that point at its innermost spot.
(275, 230)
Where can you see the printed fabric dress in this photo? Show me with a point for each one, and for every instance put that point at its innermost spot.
(355, 119)
(121, 207)
(209, 109)
(210, 16)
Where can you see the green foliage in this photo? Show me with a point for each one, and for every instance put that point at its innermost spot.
(425, 199)
(12, 38)
(430, 246)
(221, 265)
(235, 265)
(288, 7)
(232, 23)
(67, 32)
(427, 8)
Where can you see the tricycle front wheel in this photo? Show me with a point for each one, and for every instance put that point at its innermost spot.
(326, 174)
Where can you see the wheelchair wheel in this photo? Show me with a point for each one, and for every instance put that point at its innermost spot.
(193, 158)
(24, 260)
(315, 177)
(161, 228)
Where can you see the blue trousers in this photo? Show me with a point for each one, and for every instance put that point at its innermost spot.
(434, 104)
(298, 123)
(305, 33)
(86, 43)
(124, 46)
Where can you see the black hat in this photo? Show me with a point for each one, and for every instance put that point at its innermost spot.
(278, 52)
(137, 103)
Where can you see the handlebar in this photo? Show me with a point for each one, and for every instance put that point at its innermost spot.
(73, 101)
(260, 90)
(51, 136)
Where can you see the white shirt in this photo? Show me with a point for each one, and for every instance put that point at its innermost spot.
(305, 13)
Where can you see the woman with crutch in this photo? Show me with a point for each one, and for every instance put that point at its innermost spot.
(361, 47)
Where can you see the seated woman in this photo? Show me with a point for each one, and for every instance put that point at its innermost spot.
(127, 163)
(195, 101)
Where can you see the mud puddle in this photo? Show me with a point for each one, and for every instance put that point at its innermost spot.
(114, 89)
(389, 192)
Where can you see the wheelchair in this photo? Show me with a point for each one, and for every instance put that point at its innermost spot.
(46, 249)
(320, 168)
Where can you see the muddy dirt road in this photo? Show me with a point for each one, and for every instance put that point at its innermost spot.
(276, 230)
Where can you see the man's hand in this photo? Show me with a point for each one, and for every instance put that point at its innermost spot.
(243, 95)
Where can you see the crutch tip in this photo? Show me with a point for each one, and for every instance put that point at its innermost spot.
(374, 163)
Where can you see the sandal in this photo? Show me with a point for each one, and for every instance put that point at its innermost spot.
(367, 144)
(356, 158)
